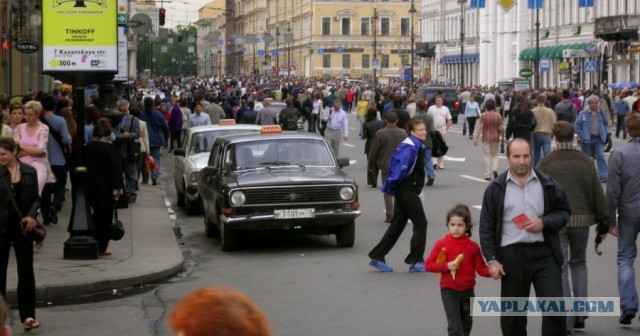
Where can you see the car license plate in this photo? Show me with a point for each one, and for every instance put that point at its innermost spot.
(294, 213)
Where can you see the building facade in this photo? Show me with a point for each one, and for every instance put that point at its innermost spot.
(578, 47)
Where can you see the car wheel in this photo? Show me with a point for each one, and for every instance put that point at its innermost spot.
(229, 239)
(180, 197)
(190, 207)
(210, 227)
(346, 235)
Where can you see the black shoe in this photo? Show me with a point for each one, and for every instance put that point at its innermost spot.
(495, 174)
(53, 214)
(374, 185)
(154, 181)
(579, 323)
(435, 166)
(626, 318)
(430, 181)
(132, 198)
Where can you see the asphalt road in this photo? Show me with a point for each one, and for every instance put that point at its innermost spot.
(307, 286)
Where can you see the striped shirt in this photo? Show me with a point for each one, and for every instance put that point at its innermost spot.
(492, 126)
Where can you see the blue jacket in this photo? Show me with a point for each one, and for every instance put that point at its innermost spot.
(402, 163)
(156, 127)
(583, 126)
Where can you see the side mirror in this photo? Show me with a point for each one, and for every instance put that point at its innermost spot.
(343, 162)
(209, 171)
(179, 152)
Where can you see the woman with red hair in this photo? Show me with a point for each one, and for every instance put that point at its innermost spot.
(218, 311)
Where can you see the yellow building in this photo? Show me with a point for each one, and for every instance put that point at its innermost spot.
(337, 37)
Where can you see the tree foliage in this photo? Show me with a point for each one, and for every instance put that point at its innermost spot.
(177, 60)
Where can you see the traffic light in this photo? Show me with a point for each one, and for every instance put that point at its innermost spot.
(606, 62)
(161, 16)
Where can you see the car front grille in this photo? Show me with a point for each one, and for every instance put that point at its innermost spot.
(293, 195)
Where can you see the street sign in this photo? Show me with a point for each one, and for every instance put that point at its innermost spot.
(506, 4)
(545, 63)
(220, 42)
(526, 72)
(267, 38)
(589, 66)
(591, 48)
(122, 19)
(320, 51)
(261, 52)
(340, 50)
(375, 64)
(275, 52)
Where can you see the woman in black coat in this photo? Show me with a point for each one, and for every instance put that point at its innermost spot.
(20, 181)
(521, 122)
(104, 181)
(370, 127)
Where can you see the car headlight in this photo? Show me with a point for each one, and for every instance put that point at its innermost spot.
(193, 178)
(237, 198)
(346, 193)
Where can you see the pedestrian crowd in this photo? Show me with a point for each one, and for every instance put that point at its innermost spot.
(535, 219)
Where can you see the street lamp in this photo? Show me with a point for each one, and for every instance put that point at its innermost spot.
(289, 38)
(412, 11)
(462, 2)
(536, 62)
(375, 46)
(277, 51)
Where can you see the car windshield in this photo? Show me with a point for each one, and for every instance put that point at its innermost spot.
(202, 142)
(278, 152)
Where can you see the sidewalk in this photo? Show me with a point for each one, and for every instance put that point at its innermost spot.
(148, 251)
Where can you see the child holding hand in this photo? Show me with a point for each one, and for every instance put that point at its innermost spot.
(457, 259)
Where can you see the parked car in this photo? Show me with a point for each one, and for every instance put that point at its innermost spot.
(273, 181)
(450, 95)
(193, 155)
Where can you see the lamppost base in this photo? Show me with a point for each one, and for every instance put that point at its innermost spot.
(81, 248)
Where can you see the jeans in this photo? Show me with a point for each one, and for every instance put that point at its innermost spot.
(573, 242)
(427, 163)
(621, 126)
(155, 153)
(541, 146)
(457, 306)
(628, 228)
(596, 147)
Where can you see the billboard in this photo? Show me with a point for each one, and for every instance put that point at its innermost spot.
(80, 35)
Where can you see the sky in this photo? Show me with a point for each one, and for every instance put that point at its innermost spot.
(182, 12)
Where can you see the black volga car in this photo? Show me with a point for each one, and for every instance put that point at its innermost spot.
(277, 181)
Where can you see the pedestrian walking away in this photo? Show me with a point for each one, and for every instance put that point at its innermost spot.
(405, 181)
(575, 172)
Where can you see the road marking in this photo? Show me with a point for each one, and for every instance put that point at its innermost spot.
(449, 158)
(348, 144)
(352, 162)
(479, 207)
(352, 128)
(474, 178)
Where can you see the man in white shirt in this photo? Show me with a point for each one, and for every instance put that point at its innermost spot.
(337, 122)
(198, 118)
(441, 121)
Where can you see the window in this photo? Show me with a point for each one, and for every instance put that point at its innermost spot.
(385, 61)
(346, 26)
(326, 26)
(384, 23)
(326, 61)
(365, 26)
(365, 62)
(404, 59)
(405, 28)
(346, 61)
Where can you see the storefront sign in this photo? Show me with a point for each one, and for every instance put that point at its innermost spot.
(27, 46)
(80, 38)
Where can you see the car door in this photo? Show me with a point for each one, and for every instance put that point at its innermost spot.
(179, 162)
(207, 184)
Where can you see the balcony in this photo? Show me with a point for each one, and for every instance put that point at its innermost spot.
(617, 28)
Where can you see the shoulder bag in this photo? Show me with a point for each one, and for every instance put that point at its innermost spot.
(39, 233)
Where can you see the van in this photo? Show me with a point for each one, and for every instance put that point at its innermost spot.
(450, 95)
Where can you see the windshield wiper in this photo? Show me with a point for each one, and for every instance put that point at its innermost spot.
(274, 163)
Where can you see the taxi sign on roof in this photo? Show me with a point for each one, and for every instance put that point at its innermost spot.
(267, 129)
(226, 122)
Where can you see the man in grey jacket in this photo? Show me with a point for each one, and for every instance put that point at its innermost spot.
(624, 200)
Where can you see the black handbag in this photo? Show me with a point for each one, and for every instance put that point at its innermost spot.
(39, 233)
(116, 229)
(122, 202)
(133, 147)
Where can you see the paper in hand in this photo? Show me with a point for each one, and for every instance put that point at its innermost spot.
(520, 220)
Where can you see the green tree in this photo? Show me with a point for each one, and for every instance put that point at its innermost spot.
(177, 60)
